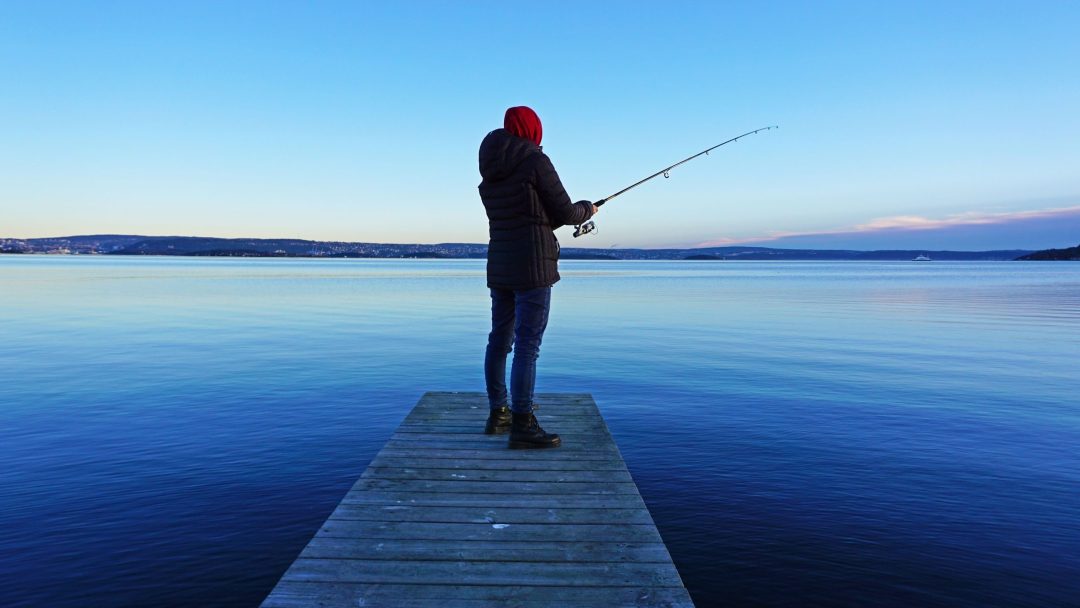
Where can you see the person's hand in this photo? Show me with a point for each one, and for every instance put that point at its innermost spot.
(595, 210)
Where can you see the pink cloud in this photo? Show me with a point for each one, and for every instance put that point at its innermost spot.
(911, 223)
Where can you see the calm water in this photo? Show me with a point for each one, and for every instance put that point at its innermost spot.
(173, 431)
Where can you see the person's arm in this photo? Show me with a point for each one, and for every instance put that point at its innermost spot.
(556, 201)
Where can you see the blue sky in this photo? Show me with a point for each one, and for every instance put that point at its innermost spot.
(955, 122)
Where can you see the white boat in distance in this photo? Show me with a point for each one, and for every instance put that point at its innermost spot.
(921, 258)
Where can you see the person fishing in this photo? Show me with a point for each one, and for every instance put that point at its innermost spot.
(525, 202)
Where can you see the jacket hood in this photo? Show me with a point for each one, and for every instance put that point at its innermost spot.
(501, 152)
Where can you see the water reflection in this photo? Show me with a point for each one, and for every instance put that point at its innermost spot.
(828, 434)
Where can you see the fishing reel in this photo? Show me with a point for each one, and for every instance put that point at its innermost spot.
(583, 229)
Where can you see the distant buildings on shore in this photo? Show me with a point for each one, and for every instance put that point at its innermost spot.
(113, 244)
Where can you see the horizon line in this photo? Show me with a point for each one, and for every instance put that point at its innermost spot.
(419, 244)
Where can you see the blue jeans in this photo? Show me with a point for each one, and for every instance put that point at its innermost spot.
(518, 320)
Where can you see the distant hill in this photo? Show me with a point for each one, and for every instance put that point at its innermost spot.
(118, 244)
(1072, 253)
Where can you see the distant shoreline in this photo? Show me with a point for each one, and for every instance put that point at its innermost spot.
(194, 246)
(1070, 254)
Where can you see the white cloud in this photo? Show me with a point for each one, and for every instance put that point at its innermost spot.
(908, 223)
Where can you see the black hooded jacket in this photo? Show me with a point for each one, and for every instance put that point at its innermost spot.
(525, 203)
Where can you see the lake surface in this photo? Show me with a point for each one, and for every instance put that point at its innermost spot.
(174, 430)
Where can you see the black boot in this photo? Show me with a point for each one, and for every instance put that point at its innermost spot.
(525, 432)
(498, 421)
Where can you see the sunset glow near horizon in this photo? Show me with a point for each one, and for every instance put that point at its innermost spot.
(901, 126)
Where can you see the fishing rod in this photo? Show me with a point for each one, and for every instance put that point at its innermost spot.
(590, 226)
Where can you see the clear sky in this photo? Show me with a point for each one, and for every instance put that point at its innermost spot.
(360, 121)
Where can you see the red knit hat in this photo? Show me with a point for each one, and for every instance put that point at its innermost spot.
(523, 122)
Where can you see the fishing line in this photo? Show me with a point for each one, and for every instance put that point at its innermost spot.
(590, 226)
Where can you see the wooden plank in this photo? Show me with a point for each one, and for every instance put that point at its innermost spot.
(494, 453)
(561, 428)
(462, 415)
(622, 533)
(465, 499)
(497, 487)
(478, 415)
(472, 416)
(490, 515)
(497, 464)
(304, 594)
(470, 398)
(495, 551)
(410, 441)
(470, 403)
(583, 574)
(578, 438)
(495, 475)
(475, 424)
(447, 516)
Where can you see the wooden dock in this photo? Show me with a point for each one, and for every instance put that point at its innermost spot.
(447, 516)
